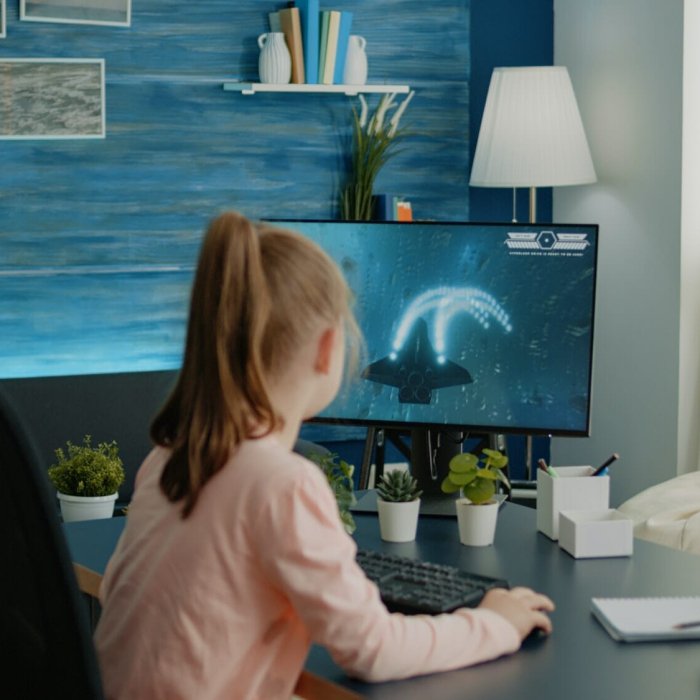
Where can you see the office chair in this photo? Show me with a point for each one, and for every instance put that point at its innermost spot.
(46, 640)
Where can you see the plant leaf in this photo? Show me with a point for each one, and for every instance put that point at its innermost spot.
(503, 479)
(480, 490)
(488, 474)
(463, 462)
(495, 458)
(448, 486)
(462, 478)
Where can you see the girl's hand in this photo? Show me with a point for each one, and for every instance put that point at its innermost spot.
(522, 607)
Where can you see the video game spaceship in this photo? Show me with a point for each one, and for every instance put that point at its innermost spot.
(416, 369)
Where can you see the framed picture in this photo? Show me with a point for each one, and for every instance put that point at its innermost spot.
(3, 15)
(110, 12)
(52, 98)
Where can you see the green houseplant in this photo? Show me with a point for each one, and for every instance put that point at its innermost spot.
(339, 474)
(398, 505)
(476, 477)
(373, 143)
(87, 478)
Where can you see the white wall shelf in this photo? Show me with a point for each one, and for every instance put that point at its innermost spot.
(252, 88)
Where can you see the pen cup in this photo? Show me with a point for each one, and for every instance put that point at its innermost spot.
(573, 489)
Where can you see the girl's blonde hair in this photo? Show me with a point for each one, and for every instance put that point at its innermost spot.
(258, 293)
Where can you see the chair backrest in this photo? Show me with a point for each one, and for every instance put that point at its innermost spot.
(46, 640)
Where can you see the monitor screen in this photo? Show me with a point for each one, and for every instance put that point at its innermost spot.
(482, 327)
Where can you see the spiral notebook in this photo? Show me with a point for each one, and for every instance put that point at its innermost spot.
(648, 619)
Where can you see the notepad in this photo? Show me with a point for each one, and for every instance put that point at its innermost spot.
(648, 619)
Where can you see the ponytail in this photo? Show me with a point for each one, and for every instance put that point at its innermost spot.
(221, 393)
(258, 293)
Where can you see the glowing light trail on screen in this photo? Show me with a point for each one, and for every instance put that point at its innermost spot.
(445, 303)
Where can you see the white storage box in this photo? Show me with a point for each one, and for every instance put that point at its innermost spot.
(595, 533)
(573, 489)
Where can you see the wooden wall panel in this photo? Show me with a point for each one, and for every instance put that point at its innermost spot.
(98, 239)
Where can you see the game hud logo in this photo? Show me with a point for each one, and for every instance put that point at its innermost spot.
(547, 243)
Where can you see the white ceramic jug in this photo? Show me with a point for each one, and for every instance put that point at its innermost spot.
(355, 72)
(275, 62)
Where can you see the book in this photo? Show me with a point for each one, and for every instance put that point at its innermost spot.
(404, 211)
(383, 207)
(275, 23)
(291, 26)
(648, 619)
(309, 17)
(341, 53)
(322, 42)
(331, 47)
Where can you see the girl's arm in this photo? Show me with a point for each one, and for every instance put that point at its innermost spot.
(308, 555)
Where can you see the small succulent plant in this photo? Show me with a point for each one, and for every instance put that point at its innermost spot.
(398, 486)
(476, 476)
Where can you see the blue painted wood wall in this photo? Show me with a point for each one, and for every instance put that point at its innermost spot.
(98, 238)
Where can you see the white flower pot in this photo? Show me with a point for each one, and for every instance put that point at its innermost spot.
(477, 523)
(398, 522)
(75, 508)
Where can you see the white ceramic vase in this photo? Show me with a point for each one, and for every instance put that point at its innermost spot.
(398, 522)
(74, 508)
(275, 61)
(355, 72)
(477, 523)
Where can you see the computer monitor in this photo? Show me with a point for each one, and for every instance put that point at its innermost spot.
(480, 327)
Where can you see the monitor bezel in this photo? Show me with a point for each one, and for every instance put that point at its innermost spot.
(471, 428)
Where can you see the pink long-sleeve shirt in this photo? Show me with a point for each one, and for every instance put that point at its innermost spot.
(226, 603)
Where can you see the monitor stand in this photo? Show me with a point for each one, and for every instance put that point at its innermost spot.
(431, 452)
(429, 456)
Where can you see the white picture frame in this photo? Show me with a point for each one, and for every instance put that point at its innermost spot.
(52, 98)
(3, 19)
(116, 13)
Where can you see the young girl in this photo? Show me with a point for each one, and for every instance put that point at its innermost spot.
(234, 560)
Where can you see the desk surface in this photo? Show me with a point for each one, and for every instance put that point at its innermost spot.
(579, 661)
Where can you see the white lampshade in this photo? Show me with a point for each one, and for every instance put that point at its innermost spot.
(531, 133)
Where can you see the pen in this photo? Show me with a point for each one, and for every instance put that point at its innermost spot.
(546, 468)
(614, 456)
(686, 625)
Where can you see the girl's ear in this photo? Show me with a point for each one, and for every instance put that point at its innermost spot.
(324, 351)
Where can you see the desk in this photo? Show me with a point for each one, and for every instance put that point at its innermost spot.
(578, 662)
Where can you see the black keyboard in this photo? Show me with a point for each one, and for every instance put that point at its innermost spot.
(411, 587)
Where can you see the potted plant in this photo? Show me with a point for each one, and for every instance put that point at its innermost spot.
(398, 503)
(476, 477)
(374, 141)
(339, 475)
(86, 479)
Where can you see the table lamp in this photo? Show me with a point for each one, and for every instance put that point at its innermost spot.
(531, 133)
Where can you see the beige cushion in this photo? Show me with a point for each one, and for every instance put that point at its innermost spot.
(668, 513)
